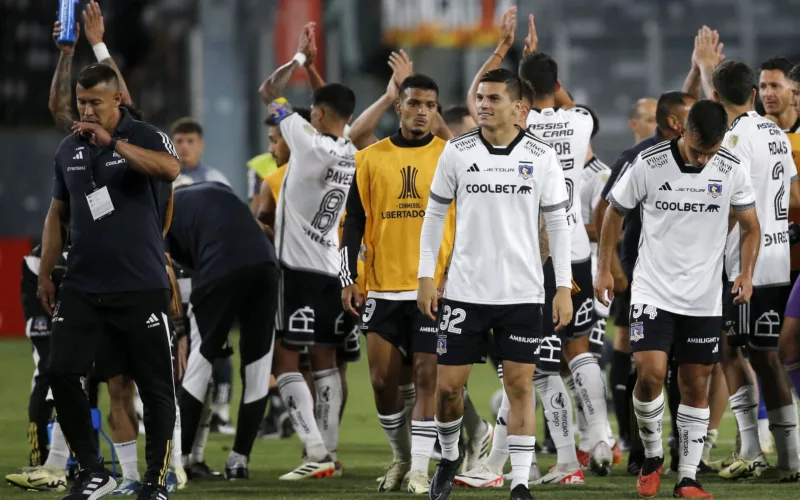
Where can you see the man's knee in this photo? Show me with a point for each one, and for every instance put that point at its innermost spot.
(650, 379)
(425, 373)
(322, 357)
(766, 362)
(575, 347)
(518, 385)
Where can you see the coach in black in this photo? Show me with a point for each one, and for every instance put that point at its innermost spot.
(111, 187)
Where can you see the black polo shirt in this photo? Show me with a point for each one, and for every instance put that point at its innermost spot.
(629, 248)
(123, 251)
(214, 233)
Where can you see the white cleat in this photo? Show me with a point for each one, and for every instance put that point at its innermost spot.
(39, 478)
(477, 450)
(562, 475)
(601, 459)
(395, 473)
(481, 477)
(743, 468)
(533, 475)
(311, 470)
(418, 483)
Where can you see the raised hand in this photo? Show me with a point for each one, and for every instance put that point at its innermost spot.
(307, 45)
(66, 48)
(508, 27)
(707, 48)
(401, 65)
(532, 40)
(93, 21)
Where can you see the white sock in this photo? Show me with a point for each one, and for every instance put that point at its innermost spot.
(745, 408)
(711, 439)
(297, 397)
(612, 441)
(521, 450)
(176, 440)
(692, 428)
(649, 416)
(59, 451)
(583, 428)
(223, 411)
(449, 433)
(409, 394)
(473, 423)
(423, 438)
(783, 424)
(397, 432)
(558, 415)
(499, 452)
(128, 460)
(329, 404)
(201, 436)
(591, 388)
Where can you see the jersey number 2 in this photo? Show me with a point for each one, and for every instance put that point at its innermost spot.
(328, 213)
(448, 323)
(781, 213)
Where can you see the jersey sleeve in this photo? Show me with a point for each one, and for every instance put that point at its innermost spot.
(355, 223)
(631, 188)
(442, 193)
(298, 133)
(554, 188)
(60, 191)
(444, 185)
(742, 195)
(149, 137)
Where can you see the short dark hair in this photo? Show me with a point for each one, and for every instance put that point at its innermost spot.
(97, 73)
(527, 92)
(186, 125)
(733, 81)
(502, 75)
(303, 111)
(667, 103)
(421, 82)
(595, 120)
(455, 114)
(709, 121)
(540, 71)
(794, 73)
(339, 98)
(780, 63)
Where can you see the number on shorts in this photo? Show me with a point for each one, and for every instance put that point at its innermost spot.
(328, 214)
(369, 310)
(451, 318)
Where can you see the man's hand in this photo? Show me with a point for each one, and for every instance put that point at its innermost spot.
(47, 293)
(183, 354)
(307, 45)
(508, 28)
(604, 286)
(93, 20)
(743, 285)
(562, 307)
(401, 66)
(94, 132)
(532, 40)
(66, 48)
(707, 49)
(311, 56)
(352, 300)
(428, 298)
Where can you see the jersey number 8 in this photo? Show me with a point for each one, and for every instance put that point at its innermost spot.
(329, 209)
(451, 318)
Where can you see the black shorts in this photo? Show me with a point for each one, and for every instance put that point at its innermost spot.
(37, 322)
(122, 333)
(309, 305)
(622, 308)
(757, 324)
(400, 323)
(464, 336)
(350, 349)
(689, 339)
(582, 302)
(597, 338)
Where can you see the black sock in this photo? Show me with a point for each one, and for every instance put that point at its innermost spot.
(39, 412)
(673, 396)
(620, 371)
(636, 445)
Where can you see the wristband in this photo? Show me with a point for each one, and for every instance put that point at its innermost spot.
(101, 51)
(498, 56)
(300, 58)
(113, 144)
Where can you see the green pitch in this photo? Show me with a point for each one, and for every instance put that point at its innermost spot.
(363, 450)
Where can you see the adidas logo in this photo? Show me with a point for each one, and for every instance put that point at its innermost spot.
(716, 349)
(78, 156)
(473, 168)
(665, 187)
(152, 321)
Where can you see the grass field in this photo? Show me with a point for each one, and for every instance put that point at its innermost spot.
(363, 450)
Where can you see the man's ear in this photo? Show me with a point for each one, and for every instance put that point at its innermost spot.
(397, 106)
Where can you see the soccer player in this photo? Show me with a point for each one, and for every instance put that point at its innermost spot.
(495, 174)
(686, 187)
(385, 207)
(320, 170)
(775, 91)
(458, 119)
(765, 154)
(642, 119)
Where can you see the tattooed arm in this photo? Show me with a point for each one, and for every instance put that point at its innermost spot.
(60, 89)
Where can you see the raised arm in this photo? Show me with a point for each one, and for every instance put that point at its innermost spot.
(60, 99)
(708, 55)
(274, 85)
(507, 31)
(95, 29)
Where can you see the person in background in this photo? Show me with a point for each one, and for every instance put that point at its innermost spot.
(187, 136)
(458, 119)
(643, 118)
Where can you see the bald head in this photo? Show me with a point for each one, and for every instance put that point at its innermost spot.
(643, 118)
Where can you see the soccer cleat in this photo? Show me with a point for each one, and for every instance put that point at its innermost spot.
(601, 459)
(689, 488)
(616, 454)
(789, 476)
(311, 470)
(521, 492)
(533, 475)
(635, 461)
(393, 479)
(481, 477)
(339, 472)
(129, 487)
(477, 451)
(718, 465)
(704, 468)
(237, 470)
(221, 426)
(39, 478)
(91, 484)
(152, 492)
(649, 480)
(583, 458)
(442, 481)
(418, 483)
(743, 468)
(562, 475)
(201, 470)
(172, 482)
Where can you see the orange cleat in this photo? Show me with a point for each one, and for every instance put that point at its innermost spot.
(689, 488)
(617, 454)
(649, 480)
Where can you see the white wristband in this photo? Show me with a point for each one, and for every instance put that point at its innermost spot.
(101, 51)
(300, 58)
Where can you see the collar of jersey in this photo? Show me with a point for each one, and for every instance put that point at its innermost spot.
(676, 155)
(500, 150)
(401, 142)
(125, 122)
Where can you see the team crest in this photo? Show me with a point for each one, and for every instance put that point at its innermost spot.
(441, 345)
(715, 189)
(526, 171)
(637, 332)
(40, 324)
(732, 141)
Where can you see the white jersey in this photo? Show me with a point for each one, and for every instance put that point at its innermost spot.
(595, 176)
(569, 131)
(684, 226)
(766, 155)
(313, 196)
(499, 195)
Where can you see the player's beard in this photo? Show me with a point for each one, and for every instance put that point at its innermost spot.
(419, 133)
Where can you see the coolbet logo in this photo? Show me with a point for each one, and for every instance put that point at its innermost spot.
(715, 189)
(673, 206)
(409, 175)
(712, 208)
(526, 171)
(495, 188)
(524, 190)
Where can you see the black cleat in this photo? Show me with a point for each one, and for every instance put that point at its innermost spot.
(237, 471)
(152, 492)
(91, 484)
(442, 481)
(521, 492)
(201, 471)
(704, 468)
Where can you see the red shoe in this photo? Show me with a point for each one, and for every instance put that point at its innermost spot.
(689, 488)
(617, 454)
(583, 458)
(649, 480)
